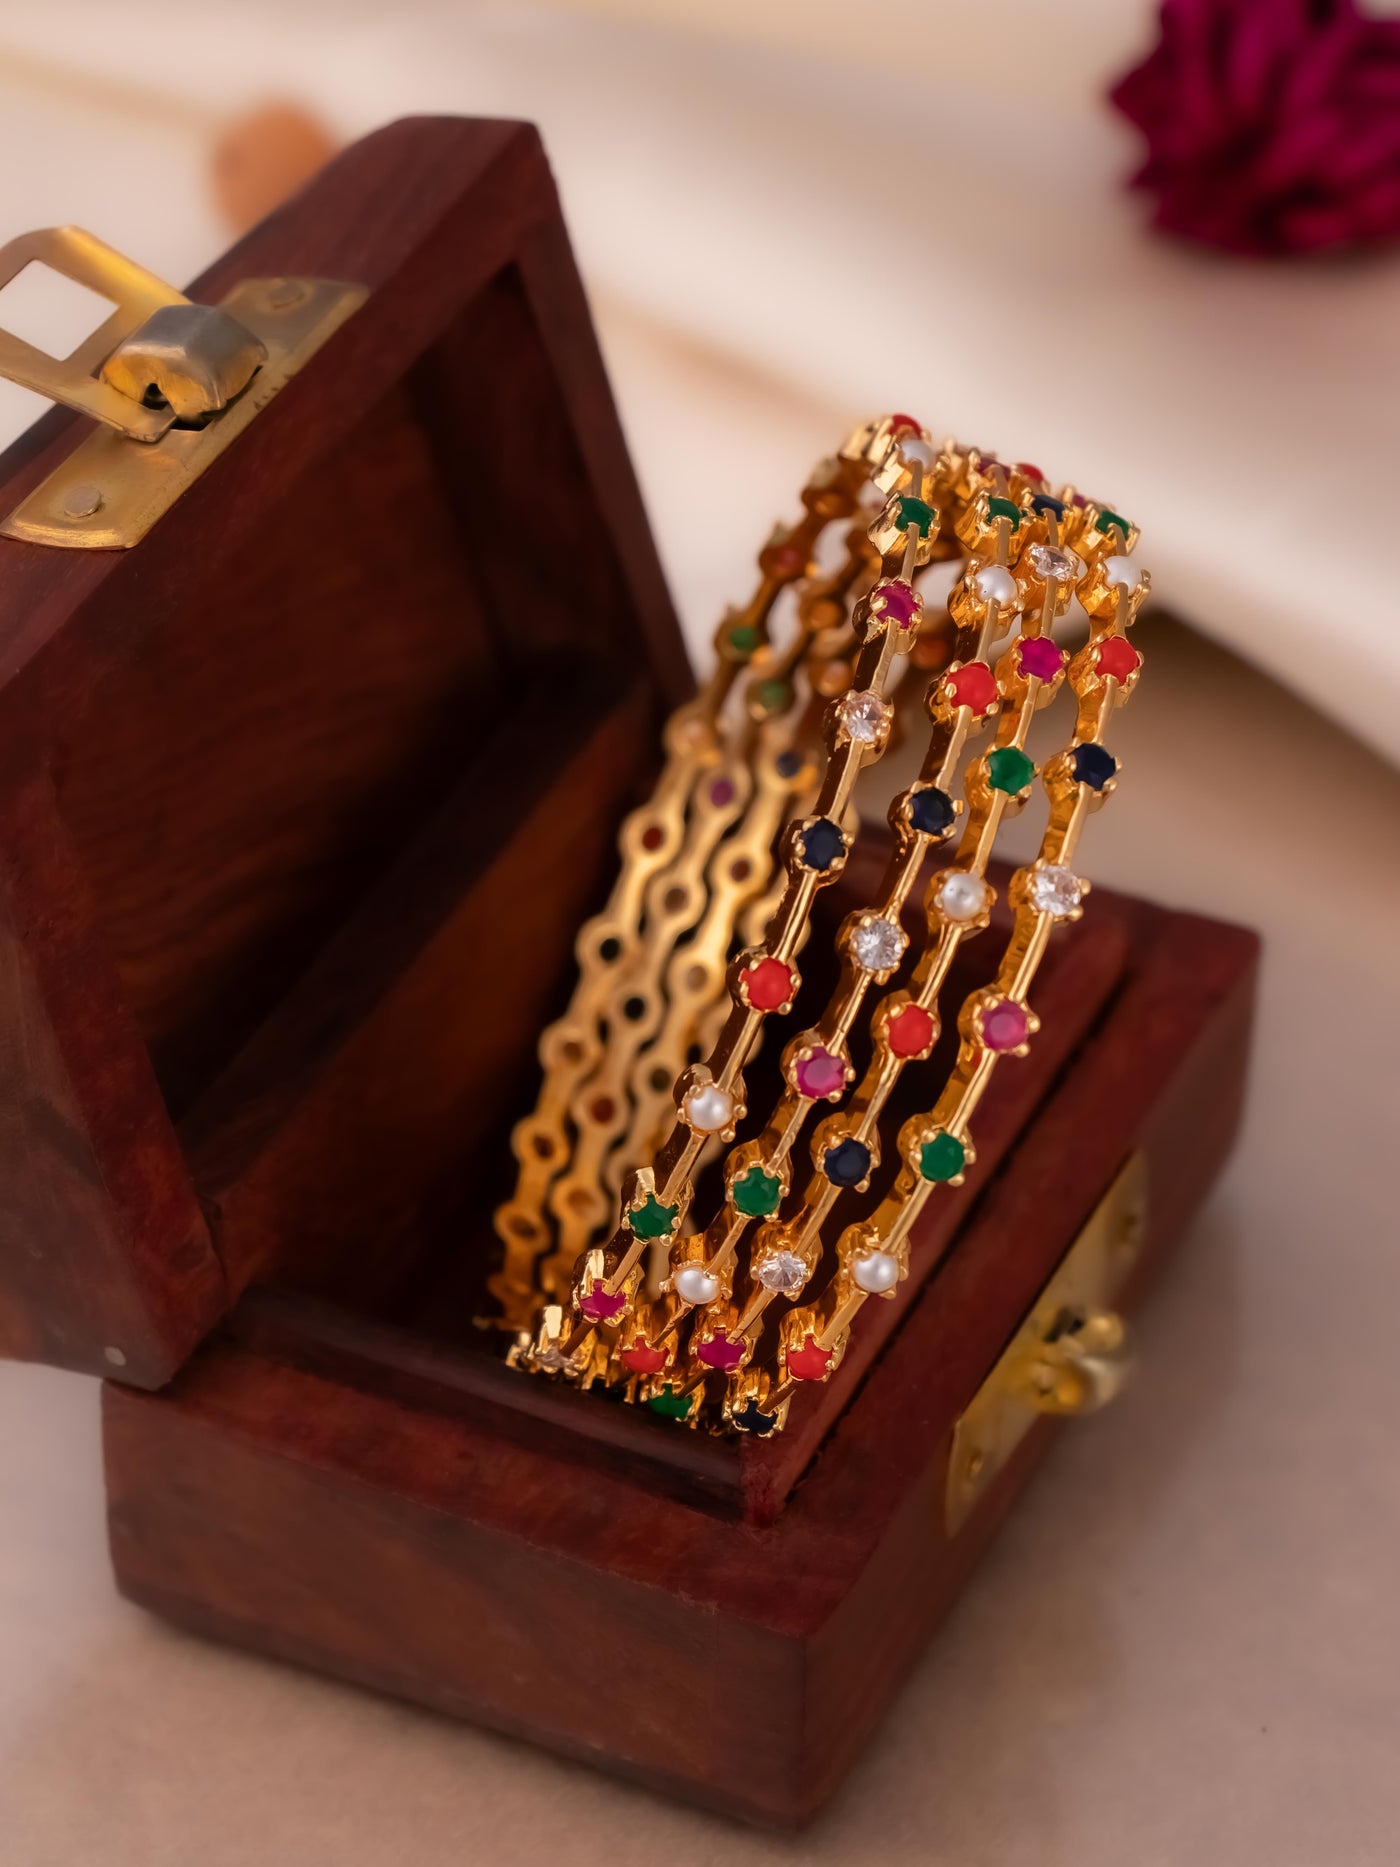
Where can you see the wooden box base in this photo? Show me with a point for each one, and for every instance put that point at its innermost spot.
(396, 1508)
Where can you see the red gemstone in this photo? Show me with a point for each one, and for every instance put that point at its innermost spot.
(1030, 472)
(1118, 658)
(722, 1351)
(905, 424)
(810, 1362)
(910, 1032)
(641, 1358)
(599, 1306)
(768, 984)
(898, 601)
(1004, 1025)
(973, 686)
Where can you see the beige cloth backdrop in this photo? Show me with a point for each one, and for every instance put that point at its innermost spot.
(887, 205)
(1184, 1647)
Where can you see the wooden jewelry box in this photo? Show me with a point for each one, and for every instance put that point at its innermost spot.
(302, 797)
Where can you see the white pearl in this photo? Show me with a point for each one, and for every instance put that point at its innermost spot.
(996, 584)
(875, 1272)
(1121, 573)
(694, 1284)
(709, 1108)
(961, 895)
(917, 451)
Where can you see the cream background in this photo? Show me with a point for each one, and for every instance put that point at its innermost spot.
(914, 206)
(1184, 1648)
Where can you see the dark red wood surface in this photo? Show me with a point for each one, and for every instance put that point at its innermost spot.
(228, 756)
(343, 1495)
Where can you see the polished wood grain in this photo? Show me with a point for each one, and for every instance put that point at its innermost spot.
(417, 589)
(358, 1498)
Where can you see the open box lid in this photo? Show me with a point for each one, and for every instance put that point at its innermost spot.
(267, 777)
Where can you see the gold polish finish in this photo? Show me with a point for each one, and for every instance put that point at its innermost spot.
(76, 380)
(158, 361)
(724, 1322)
(1070, 1355)
(193, 360)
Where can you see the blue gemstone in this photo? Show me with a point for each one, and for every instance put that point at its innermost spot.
(1093, 765)
(789, 764)
(752, 1419)
(931, 811)
(1042, 502)
(847, 1163)
(822, 844)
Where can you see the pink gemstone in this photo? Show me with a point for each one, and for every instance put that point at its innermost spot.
(721, 793)
(1041, 658)
(821, 1074)
(899, 602)
(1004, 1025)
(599, 1306)
(722, 1352)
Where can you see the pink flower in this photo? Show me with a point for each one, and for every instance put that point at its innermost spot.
(1272, 126)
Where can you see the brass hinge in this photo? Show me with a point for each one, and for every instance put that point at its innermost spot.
(172, 382)
(1070, 1355)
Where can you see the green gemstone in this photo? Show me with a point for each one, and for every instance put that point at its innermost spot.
(1107, 518)
(1009, 770)
(757, 1193)
(1005, 509)
(773, 696)
(743, 638)
(942, 1158)
(914, 513)
(671, 1403)
(651, 1219)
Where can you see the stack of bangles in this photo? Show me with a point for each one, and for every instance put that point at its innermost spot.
(718, 1318)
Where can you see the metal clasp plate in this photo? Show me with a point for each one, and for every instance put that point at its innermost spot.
(1069, 1356)
(172, 382)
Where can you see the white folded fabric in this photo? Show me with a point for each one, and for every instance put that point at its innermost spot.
(833, 211)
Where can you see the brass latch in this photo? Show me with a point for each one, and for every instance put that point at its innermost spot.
(172, 382)
(1070, 1355)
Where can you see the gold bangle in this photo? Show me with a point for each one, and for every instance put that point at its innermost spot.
(726, 765)
(1027, 551)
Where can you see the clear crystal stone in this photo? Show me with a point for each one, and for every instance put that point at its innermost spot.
(1049, 561)
(1055, 890)
(864, 716)
(782, 1272)
(877, 945)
